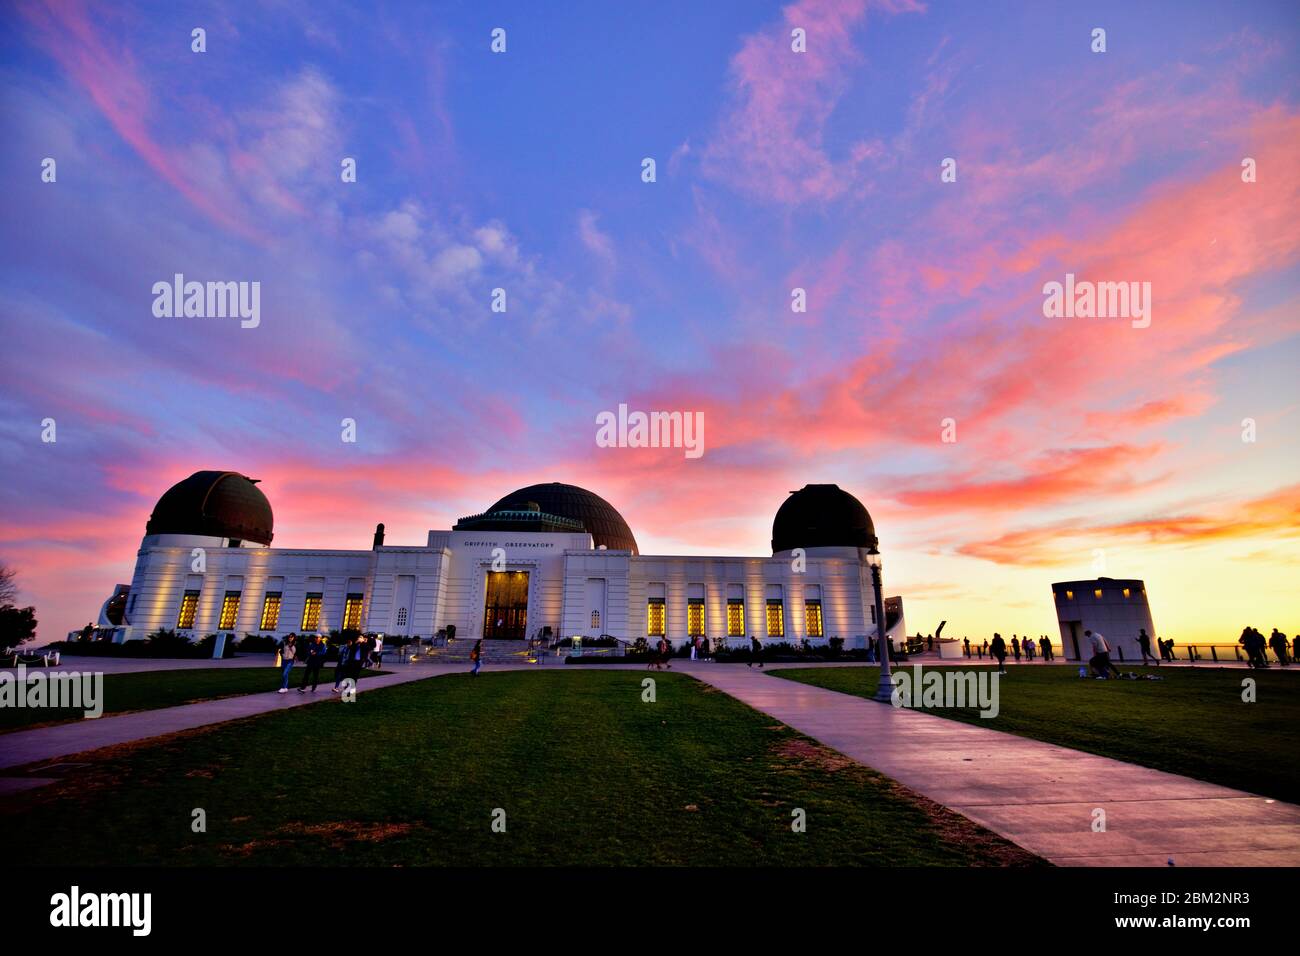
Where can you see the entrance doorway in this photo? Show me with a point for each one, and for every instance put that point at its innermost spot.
(505, 609)
(1074, 639)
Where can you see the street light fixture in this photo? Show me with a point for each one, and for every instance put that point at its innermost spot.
(885, 688)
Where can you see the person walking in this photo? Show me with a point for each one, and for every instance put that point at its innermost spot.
(998, 650)
(665, 653)
(755, 652)
(476, 656)
(341, 665)
(288, 648)
(1144, 644)
(1253, 642)
(315, 658)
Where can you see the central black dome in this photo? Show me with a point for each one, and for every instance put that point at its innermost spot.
(216, 504)
(822, 516)
(598, 517)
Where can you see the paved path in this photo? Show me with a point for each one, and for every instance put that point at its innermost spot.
(1037, 795)
(62, 740)
(134, 665)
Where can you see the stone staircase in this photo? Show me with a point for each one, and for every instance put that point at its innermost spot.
(494, 652)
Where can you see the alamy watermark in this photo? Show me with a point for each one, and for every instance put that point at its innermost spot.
(208, 300)
(1098, 300)
(651, 430)
(946, 689)
(67, 690)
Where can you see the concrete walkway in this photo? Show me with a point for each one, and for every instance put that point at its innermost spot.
(44, 744)
(136, 665)
(1037, 795)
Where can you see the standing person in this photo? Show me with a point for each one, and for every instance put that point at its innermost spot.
(1100, 661)
(755, 652)
(1295, 646)
(695, 648)
(999, 651)
(341, 666)
(1028, 646)
(1045, 648)
(706, 651)
(315, 658)
(378, 656)
(984, 648)
(1253, 642)
(1144, 643)
(357, 660)
(966, 643)
(1277, 641)
(1015, 647)
(476, 656)
(287, 652)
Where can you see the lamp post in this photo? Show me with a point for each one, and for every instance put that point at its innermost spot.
(885, 688)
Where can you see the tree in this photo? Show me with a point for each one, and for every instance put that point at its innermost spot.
(8, 586)
(17, 624)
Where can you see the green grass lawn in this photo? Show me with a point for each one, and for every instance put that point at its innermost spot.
(149, 690)
(1192, 722)
(586, 772)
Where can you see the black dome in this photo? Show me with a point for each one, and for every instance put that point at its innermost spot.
(822, 516)
(218, 504)
(605, 525)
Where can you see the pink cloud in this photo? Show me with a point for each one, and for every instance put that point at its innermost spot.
(771, 144)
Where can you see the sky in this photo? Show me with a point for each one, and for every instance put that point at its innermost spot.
(1083, 446)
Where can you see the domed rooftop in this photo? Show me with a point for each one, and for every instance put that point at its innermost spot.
(218, 504)
(822, 516)
(581, 508)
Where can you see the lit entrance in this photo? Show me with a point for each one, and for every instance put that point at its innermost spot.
(505, 610)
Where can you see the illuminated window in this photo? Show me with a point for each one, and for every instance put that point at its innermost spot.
(229, 610)
(735, 618)
(1097, 594)
(352, 613)
(1128, 593)
(775, 618)
(311, 612)
(271, 611)
(595, 619)
(695, 617)
(401, 617)
(654, 626)
(812, 611)
(189, 604)
(1069, 595)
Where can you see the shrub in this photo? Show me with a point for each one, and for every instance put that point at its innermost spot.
(258, 643)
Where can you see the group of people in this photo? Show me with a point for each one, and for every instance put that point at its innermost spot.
(998, 648)
(1252, 641)
(355, 653)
